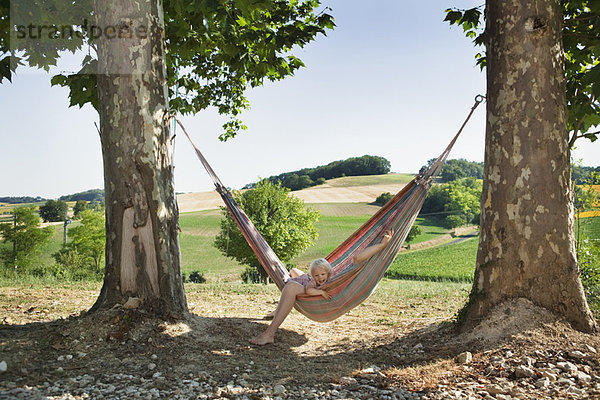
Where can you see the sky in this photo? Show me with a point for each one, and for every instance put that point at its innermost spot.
(392, 80)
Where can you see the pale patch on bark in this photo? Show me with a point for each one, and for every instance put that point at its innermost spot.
(552, 245)
(138, 255)
(525, 173)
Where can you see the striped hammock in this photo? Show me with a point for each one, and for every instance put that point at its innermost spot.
(350, 284)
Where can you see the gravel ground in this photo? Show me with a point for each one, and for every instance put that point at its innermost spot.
(519, 352)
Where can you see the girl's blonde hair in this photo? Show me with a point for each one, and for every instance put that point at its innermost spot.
(320, 263)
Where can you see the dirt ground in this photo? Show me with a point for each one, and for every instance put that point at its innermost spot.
(414, 346)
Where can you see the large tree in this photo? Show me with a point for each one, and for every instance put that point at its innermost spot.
(527, 237)
(152, 62)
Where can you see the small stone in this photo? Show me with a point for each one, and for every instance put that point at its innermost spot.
(81, 354)
(69, 357)
(464, 358)
(577, 354)
(494, 389)
(509, 354)
(279, 389)
(590, 349)
(524, 372)
(497, 361)
(60, 358)
(564, 381)
(154, 356)
(575, 390)
(528, 361)
(548, 374)
(542, 383)
(132, 303)
(417, 347)
(582, 376)
(567, 366)
(151, 366)
(3, 366)
(60, 370)
(347, 380)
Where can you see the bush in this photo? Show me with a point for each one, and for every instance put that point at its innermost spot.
(588, 256)
(454, 221)
(383, 198)
(197, 277)
(251, 275)
(284, 221)
(72, 265)
(414, 232)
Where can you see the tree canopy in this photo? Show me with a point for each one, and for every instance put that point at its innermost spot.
(581, 41)
(53, 210)
(25, 236)
(215, 49)
(283, 220)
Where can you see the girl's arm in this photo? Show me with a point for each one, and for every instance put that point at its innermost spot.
(312, 291)
(372, 250)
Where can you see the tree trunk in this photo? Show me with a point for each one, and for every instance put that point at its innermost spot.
(142, 245)
(527, 246)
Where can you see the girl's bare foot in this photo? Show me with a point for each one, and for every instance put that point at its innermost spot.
(262, 339)
(270, 315)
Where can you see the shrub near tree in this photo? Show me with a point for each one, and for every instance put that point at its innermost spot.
(383, 198)
(53, 210)
(459, 199)
(23, 237)
(283, 220)
(83, 255)
(80, 205)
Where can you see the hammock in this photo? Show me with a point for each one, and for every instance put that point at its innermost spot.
(350, 284)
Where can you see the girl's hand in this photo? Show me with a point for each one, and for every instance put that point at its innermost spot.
(387, 236)
(325, 294)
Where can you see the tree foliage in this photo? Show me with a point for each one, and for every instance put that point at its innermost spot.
(53, 210)
(92, 196)
(89, 238)
(21, 199)
(581, 41)
(458, 201)
(215, 49)
(79, 207)
(383, 198)
(461, 168)
(584, 175)
(25, 236)
(354, 166)
(283, 220)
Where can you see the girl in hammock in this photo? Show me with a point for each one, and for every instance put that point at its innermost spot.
(319, 273)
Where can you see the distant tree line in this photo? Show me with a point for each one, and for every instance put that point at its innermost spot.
(92, 196)
(21, 200)
(461, 168)
(582, 175)
(307, 177)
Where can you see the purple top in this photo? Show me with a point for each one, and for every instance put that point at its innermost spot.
(304, 280)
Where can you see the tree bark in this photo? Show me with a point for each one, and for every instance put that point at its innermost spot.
(527, 246)
(142, 245)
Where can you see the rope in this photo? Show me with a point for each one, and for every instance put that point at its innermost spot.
(442, 158)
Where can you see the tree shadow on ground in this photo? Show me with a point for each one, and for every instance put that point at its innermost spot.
(217, 349)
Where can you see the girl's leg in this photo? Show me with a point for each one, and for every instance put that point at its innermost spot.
(286, 303)
(294, 273)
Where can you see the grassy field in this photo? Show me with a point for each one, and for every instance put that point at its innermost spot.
(370, 180)
(454, 262)
(200, 228)
(590, 227)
